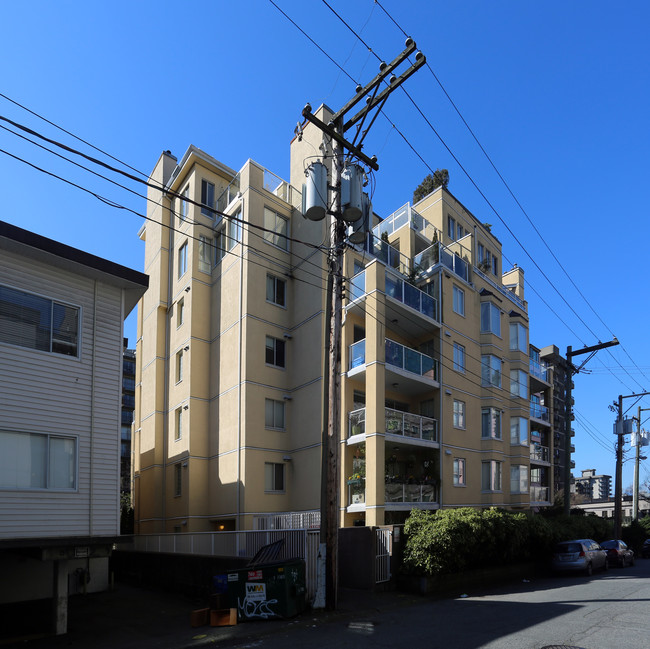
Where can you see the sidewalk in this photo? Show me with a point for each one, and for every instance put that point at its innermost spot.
(134, 617)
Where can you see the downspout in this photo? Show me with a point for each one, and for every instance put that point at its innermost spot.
(92, 413)
(239, 378)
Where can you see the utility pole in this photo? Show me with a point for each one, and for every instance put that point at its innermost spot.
(375, 98)
(637, 457)
(571, 370)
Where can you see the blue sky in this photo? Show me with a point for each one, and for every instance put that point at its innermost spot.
(556, 92)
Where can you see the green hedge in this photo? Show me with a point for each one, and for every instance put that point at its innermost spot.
(452, 540)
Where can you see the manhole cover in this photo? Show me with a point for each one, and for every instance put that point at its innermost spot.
(560, 646)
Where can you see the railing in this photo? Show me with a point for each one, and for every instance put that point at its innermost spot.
(410, 425)
(410, 493)
(287, 521)
(281, 188)
(358, 286)
(539, 370)
(411, 296)
(538, 411)
(410, 360)
(228, 195)
(436, 254)
(539, 453)
(356, 492)
(539, 494)
(388, 254)
(511, 295)
(401, 217)
(357, 422)
(358, 354)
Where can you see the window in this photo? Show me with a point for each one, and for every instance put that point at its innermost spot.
(490, 318)
(519, 431)
(228, 235)
(276, 290)
(178, 480)
(182, 260)
(178, 431)
(491, 476)
(459, 301)
(185, 196)
(273, 476)
(481, 252)
(490, 423)
(207, 198)
(179, 366)
(37, 461)
(459, 472)
(519, 384)
(276, 229)
(205, 254)
(495, 265)
(274, 414)
(518, 337)
(459, 358)
(451, 227)
(519, 479)
(274, 351)
(36, 322)
(460, 233)
(459, 414)
(491, 370)
(180, 312)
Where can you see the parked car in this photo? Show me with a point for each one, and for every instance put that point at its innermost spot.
(618, 553)
(645, 550)
(579, 555)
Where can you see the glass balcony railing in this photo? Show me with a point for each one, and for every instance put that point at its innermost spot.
(411, 296)
(539, 494)
(388, 254)
(539, 453)
(539, 412)
(357, 422)
(397, 492)
(401, 217)
(538, 370)
(356, 492)
(511, 295)
(411, 360)
(358, 286)
(358, 354)
(436, 254)
(410, 425)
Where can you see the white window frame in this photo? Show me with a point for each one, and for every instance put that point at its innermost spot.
(518, 337)
(276, 231)
(490, 319)
(451, 227)
(205, 254)
(180, 312)
(182, 259)
(271, 477)
(519, 479)
(272, 283)
(179, 366)
(491, 476)
(184, 204)
(12, 452)
(178, 424)
(459, 300)
(519, 384)
(459, 358)
(207, 198)
(459, 473)
(491, 371)
(275, 414)
(276, 346)
(459, 414)
(491, 423)
(517, 425)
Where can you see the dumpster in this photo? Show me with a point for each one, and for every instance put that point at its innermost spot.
(266, 591)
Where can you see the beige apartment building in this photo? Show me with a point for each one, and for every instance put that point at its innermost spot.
(444, 402)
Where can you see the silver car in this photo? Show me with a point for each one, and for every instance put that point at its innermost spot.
(583, 555)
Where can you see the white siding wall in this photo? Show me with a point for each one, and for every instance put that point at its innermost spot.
(51, 393)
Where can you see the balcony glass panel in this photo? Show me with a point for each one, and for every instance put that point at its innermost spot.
(410, 425)
(358, 286)
(539, 453)
(410, 493)
(539, 370)
(357, 493)
(411, 296)
(437, 253)
(393, 286)
(411, 360)
(357, 422)
(539, 494)
(538, 411)
(358, 354)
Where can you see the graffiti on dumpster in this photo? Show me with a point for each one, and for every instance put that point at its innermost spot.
(255, 603)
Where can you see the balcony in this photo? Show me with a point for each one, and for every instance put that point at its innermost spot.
(411, 296)
(538, 370)
(412, 426)
(411, 361)
(511, 295)
(424, 262)
(539, 494)
(405, 215)
(403, 492)
(539, 453)
(356, 494)
(540, 412)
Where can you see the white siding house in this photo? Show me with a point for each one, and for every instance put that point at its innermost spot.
(61, 341)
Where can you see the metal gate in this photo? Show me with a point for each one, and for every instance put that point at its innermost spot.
(383, 551)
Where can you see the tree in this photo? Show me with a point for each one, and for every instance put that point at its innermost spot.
(439, 178)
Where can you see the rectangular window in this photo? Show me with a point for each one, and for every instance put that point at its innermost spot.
(274, 414)
(182, 260)
(495, 265)
(518, 337)
(207, 198)
(459, 472)
(491, 371)
(519, 479)
(276, 289)
(276, 229)
(35, 322)
(180, 312)
(275, 351)
(459, 301)
(37, 461)
(178, 480)
(460, 232)
(273, 476)
(459, 358)
(184, 204)
(178, 428)
(491, 476)
(490, 423)
(459, 414)
(519, 431)
(481, 253)
(205, 254)
(451, 228)
(179, 366)
(519, 384)
(490, 318)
